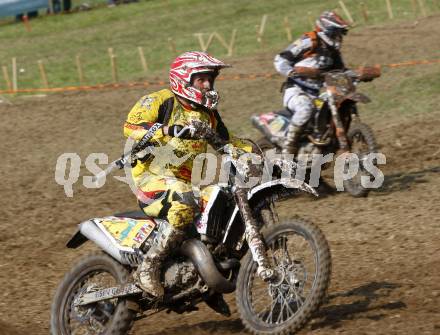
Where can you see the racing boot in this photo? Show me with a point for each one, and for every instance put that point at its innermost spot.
(290, 145)
(147, 275)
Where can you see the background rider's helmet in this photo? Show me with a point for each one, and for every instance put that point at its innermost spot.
(185, 67)
(330, 28)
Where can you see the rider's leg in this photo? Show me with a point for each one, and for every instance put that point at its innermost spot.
(177, 206)
(148, 272)
(296, 100)
(290, 145)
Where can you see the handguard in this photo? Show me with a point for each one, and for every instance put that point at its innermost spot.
(368, 73)
(203, 131)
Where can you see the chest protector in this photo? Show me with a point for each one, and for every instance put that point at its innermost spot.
(314, 38)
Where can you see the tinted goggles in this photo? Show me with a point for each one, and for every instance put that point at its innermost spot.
(334, 31)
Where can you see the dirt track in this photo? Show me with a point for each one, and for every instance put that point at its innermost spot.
(386, 253)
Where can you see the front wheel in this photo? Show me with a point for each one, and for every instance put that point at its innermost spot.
(362, 142)
(301, 257)
(94, 272)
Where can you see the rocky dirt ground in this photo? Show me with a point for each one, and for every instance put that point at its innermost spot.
(386, 250)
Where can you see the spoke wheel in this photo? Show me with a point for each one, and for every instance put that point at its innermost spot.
(362, 142)
(94, 272)
(300, 255)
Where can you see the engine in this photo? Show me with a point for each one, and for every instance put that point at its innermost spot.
(179, 276)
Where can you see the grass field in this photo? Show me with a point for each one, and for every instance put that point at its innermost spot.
(56, 40)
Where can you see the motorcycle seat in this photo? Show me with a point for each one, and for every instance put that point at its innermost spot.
(133, 215)
(287, 113)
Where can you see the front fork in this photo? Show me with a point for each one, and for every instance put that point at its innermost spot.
(253, 237)
(340, 132)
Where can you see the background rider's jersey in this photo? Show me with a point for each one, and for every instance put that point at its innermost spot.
(308, 51)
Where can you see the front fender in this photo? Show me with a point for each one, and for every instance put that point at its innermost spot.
(279, 189)
(286, 183)
(358, 97)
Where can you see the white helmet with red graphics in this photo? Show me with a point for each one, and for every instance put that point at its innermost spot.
(330, 28)
(181, 77)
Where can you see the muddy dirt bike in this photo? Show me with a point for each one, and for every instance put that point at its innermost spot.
(98, 295)
(334, 126)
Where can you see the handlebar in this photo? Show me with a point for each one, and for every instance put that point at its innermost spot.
(144, 142)
(198, 129)
(363, 73)
(127, 157)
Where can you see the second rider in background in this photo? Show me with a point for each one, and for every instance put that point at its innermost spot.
(303, 63)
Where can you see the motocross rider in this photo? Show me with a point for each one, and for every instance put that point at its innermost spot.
(167, 193)
(303, 63)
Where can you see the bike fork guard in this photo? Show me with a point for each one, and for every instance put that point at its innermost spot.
(252, 232)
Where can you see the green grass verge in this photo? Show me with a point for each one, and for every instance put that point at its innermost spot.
(404, 92)
(56, 40)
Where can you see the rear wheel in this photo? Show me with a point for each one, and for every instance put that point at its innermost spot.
(300, 254)
(362, 142)
(94, 272)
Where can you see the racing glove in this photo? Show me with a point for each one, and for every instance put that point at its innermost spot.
(184, 132)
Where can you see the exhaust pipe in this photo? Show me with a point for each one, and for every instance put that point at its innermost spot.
(202, 259)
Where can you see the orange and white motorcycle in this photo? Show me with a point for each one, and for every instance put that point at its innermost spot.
(334, 126)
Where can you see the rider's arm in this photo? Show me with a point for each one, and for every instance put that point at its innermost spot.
(143, 116)
(286, 60)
